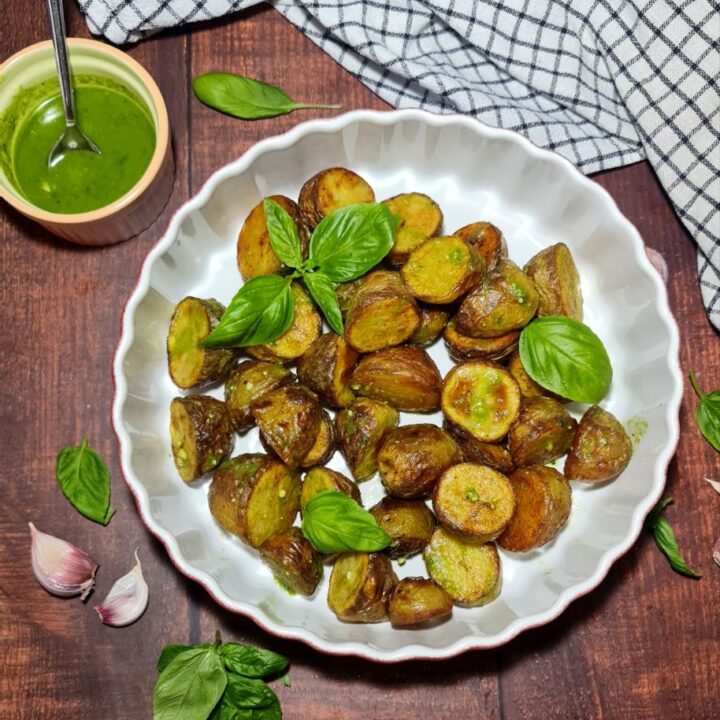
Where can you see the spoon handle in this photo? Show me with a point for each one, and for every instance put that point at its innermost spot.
(57, 28)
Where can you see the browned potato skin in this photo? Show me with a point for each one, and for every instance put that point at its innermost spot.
(324, 445)
(404, 377)
(601, 449)
(418, 600)
(360, 428)
(255, 255)
(331, 480)
(289, 419)
(410, 523)
(487, 240)
(412, 458)
(370, 602)
(381, 313)
(505, 300)
(247, 383)
(293, 560)
(557, 281)
(543, 432)
(326, 368)
(463, 347)
(432, 323)
(493, 455)
(331, 189)
(543, 500)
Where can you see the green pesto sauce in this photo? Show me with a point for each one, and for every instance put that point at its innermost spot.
(113, 116)
(636, 428)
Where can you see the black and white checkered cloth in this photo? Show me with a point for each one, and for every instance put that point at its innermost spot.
(603, 82)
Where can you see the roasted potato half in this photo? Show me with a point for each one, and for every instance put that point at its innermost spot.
(416, 600)
(254, 496)
(505, 300)
(493, 455)
(326, 367)
(463, 347)
(410, 524)
(601, 449)
(320, 479)
(468, 571)
(324, 446)
(332, 189)
(543, 499)
(432, 323)
(557, 281)
(482, 398)
(413, 457)
(293, 560)
(381, 313)
(420, 218)
(404, 377)
(190, 365)
(200, 433)
(487, 240)
(360, 428)
(360, 585)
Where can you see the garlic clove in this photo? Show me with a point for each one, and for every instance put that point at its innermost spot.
(60, 567)
(127, 599)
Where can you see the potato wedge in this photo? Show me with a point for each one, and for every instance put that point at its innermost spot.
(416, 600)
(254, 496)
(293, 560)
(493, 455)
(326, 367)
(487, 240)
(543, 432)
(543, 500)
(329, 190)
(320, 479)
(420, 218)
(557, 281)
(324, 446)
(404, 377)
(432, 323)
(463, 347)
(410, 524)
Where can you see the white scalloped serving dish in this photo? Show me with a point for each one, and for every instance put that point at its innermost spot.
(474, 172)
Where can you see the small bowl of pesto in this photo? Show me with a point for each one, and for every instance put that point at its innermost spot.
(87, 198)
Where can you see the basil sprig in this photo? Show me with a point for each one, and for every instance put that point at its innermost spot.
(245, 97)
(85, 481)
(334, 522)
(343, 246)
(566, 357)
(665, 540)
(221, 682)
(708, 413)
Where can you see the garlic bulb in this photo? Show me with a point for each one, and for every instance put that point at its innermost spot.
(127, 598)
(60, 567)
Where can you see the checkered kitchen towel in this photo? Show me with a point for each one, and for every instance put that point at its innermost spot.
(603, 82)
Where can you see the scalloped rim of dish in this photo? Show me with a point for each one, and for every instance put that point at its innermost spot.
(412, 651)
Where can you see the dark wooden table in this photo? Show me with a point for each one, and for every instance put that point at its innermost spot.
(643, 645)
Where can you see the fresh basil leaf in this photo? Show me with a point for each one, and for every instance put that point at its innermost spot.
(285, 680)
(708, 414)
(170, 652)
(244, 97)
(85, 481)
(283, 234)
(665, 540)
(252, 662)
(353, 239)
(261, 311)
(246, 699)
(566, 357)
(190, 686)
(323, 293)
(334, 522)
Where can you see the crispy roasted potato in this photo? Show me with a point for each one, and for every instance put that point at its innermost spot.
(432, 323)
(320, 479)
(487, 240)
(601, 449)
(248, 382)
(293, 560)
(504, 301)
(381, 313)
(418, 600)
(404, 377)
(493, 455)
(528, 387)
(324, 446)
(200, 433)
(482, 398)
(468, 571)
(255, 255)
(557, 281)
(420, 218)
(254, 496)
(413, 457)
(474, 501)
(543, 499)
(443, 269)
(332, 189)
(360, 585)
(326, 367)
(361, 427)
(190, 365)
(344, 292)
(289, 419)
(410, 524)
(302, 333)
(543, 432)
(463, 347)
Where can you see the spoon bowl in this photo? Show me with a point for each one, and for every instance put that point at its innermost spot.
(71, 140)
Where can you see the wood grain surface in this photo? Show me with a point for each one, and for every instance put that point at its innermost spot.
(644, 645)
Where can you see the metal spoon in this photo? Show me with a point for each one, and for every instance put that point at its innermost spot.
(72, 138)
